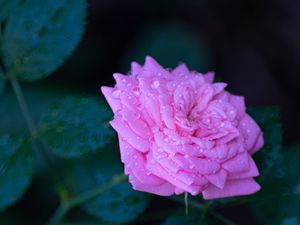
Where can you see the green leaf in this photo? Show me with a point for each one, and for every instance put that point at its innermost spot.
(6, 8)
(118, 204)
(269, 121)
(40, 35)
(170, 44)
(16, 168)
(76, 125)
(39, 98)
(2, 83)
(280, 195)
(291, 221)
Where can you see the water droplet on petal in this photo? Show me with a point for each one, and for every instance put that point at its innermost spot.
(116, 93)
(135, 156)
(191, 167)
(155, 84)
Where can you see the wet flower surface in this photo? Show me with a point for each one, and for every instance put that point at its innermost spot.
(180, 132)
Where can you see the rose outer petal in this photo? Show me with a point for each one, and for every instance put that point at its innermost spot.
(232, 188)
(250, 131)
(113, 102)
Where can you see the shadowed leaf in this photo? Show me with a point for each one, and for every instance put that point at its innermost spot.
(40, 35)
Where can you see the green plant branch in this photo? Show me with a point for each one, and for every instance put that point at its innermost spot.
(23, 106)
(84, 197)
(40, 151)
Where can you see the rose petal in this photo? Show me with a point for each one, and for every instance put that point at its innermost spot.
(209, 77)
(155, 68)
(239, 163)
(137, 125)
(165, 189)
(113, 101)
(250, 131)
(136, 68)
(218, 87)
(259, 143)
(251, 172)
(160, 171)
(181, 70)
(204, 166)
(239, 103)
(218, 179)
(232, 188)
(125, 132)
(135, 163)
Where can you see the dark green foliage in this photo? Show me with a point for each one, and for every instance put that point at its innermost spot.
(279, 197)
(269, 121)
(170, 44)
(2, 83)
(194, 217)
(6, 7)
(40, 35)
(76, 125)
(16, 168)
(118, 204)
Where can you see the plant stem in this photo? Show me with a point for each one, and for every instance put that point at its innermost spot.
(84, 197)
(24, 107)
(40, 152)
(186, 203)
(197, 205)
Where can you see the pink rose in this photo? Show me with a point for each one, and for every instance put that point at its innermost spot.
(180, 132)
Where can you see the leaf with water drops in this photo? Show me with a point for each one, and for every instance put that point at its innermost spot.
(118, 204)
(76, 125)
(6, 8)
(40, 35)
(16, 168)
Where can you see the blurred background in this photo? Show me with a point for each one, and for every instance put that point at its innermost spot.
(254, 46)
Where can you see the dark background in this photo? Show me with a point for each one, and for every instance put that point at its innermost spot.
(254, 46)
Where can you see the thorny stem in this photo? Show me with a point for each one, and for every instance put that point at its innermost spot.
(84, 197)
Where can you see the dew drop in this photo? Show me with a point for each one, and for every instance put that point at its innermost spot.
(186, 156)
(135, 156)
(116, 93)
(192, 167)
(155, 84)
(123, 80)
